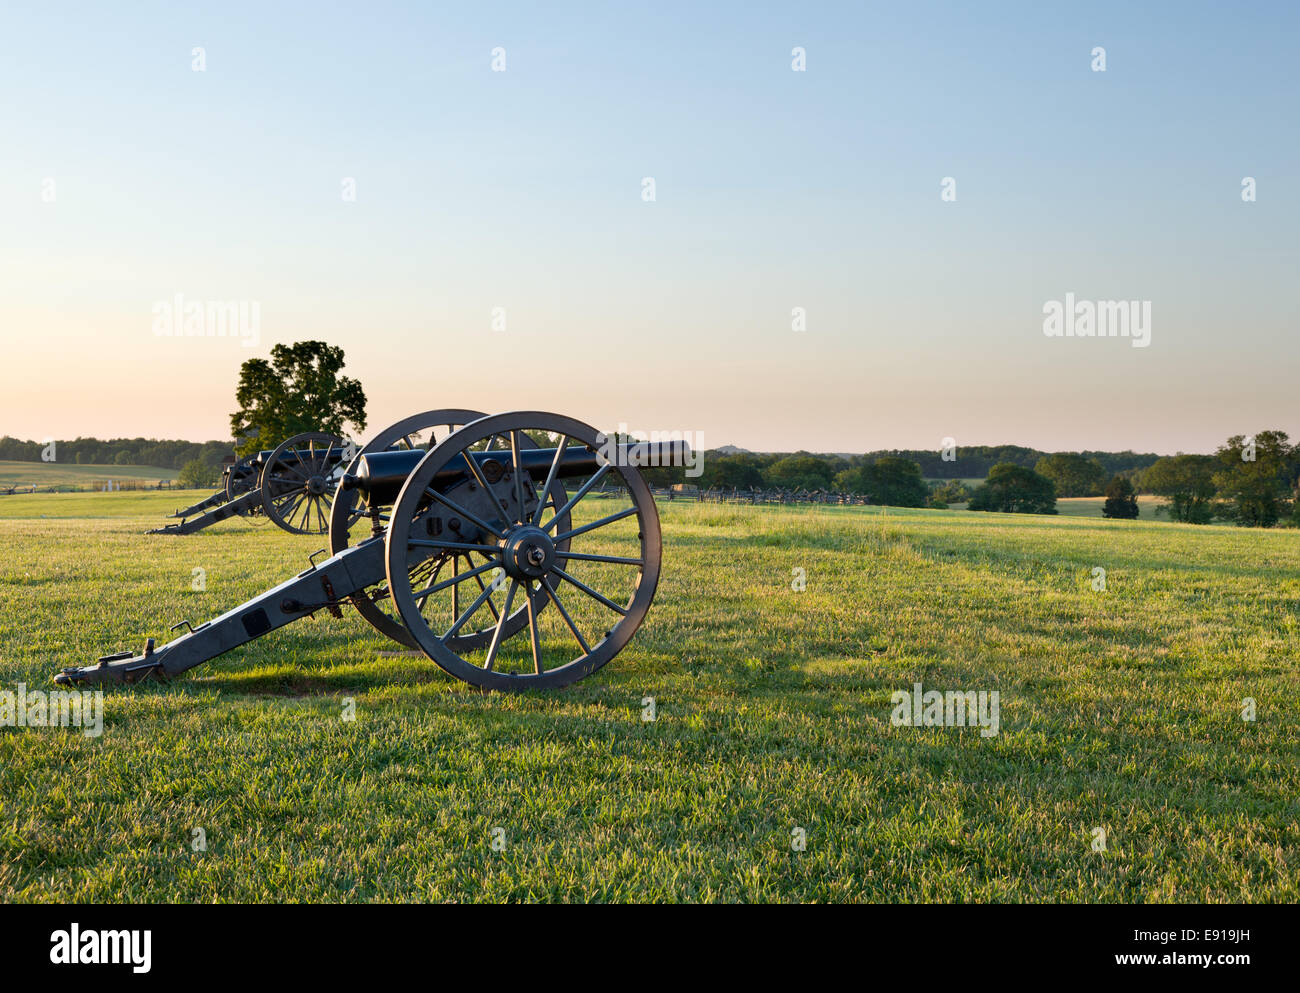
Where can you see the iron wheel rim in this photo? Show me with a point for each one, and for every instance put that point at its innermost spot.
(591, 655)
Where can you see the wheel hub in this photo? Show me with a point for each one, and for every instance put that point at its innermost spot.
(527, 552)
(316, 485)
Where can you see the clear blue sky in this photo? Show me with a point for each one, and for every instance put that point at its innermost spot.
(775, 189)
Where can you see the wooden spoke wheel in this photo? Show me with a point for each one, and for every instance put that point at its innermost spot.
(350, 522)
(424, 432)
(596, 562)
(240, 479)
(299, 481)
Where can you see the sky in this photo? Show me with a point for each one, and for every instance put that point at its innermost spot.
(500, 251)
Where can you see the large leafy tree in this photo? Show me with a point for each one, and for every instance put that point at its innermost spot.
(197, 474)
(1013, 489)
(895, 482)
(740, 470)
(800, 472)
(1121, 499)
(1074, 475)
(300, 389)
(889, 480)
(1188, 482)
(950, 491)
(1256, 489)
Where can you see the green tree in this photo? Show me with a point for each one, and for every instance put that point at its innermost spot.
(1256, 477)
(889, 480)
(1013, 489)
(1074, 475)
(894, 482)
(1121, 499)
(1188, 483)
(950, 491)
(197, 475)
(741, 471)
(299, 390)
(795, 472)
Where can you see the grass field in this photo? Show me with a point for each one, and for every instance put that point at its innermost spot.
(1091, 507)
(1120, 710)
(45, 474)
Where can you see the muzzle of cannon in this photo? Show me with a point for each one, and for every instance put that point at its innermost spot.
(455, 546)
(292, 485)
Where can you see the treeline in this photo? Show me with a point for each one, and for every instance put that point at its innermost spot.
(977, 461)
(117, 451)
(1074, 473)
(747, 471)
(1252, 481)
(744, 470)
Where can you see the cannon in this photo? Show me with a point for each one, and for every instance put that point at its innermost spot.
(456, 547)
(236, 478)
(292, 485)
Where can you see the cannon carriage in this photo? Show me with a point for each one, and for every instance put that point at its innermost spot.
(479, 549)
(292, 486)
(236, 478)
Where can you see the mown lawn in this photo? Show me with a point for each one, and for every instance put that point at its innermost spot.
(1120, 710)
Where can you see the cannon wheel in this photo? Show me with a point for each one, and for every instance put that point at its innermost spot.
(297, 494)
(533, 551)
(411, 432)
(419, 431)
(238, 487)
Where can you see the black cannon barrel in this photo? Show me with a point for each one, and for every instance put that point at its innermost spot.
(380, 475)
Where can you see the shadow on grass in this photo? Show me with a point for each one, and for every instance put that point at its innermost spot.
(345, 678)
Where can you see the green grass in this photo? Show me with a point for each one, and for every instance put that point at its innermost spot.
(1091, 507)
(60, 474)
(1120, 709)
